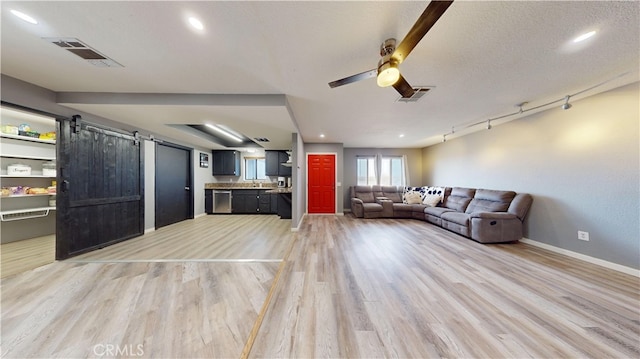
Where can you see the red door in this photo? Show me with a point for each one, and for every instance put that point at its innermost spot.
(321, 193)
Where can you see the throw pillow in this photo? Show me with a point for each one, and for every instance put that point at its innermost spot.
(409, 190)
(431, 200)
(413, 198)
(439, 191)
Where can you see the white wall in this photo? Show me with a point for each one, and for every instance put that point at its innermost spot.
(201, 175)
(581, 166)
(149, 150)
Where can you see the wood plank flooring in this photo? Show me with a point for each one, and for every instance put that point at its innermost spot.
(351, 288)
(402, 288)
(20, 256)
(211, 237)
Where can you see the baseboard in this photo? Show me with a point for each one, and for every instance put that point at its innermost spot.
(586, 258)
(149, 230)
(296, 229)
(200, 215)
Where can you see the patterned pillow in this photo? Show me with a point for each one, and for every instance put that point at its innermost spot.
(409, 190)
(435, 191)
(413, 198)
(431, 200)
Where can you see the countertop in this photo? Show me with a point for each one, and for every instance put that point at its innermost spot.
(228, 186)
(280, 190)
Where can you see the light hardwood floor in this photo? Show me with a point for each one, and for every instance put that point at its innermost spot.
(402, 288)
(350, 288)
(20, 256)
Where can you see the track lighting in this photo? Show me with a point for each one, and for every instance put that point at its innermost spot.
(566, 104)
(444, 138)
(488, 124)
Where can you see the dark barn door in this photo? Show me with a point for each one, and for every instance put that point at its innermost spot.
(174, 198)
(100, 197)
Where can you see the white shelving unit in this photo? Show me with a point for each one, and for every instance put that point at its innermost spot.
(25, 216)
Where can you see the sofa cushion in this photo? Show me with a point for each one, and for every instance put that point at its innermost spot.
(372, 207)
(364, 193)
(391, 192)
(437, 211)
(402, 207)
(486, 200)
(459, 198)
(456, 217)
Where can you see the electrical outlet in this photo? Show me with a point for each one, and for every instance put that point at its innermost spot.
(583, 236)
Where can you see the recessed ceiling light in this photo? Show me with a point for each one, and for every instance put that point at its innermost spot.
(322, 135)
(584, 36)
(221, 131)
(24, 17)
(401, 135)
(197, 24)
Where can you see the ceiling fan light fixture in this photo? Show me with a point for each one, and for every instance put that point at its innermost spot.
(388, 72)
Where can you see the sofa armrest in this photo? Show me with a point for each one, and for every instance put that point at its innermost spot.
(493, 215)
(356, 201)
(495, 227)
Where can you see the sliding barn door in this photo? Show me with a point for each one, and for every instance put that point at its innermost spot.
(100, 197)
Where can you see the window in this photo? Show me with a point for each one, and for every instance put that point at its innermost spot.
(382, 170)
(254, 168)
(392, 171)
(366, 171)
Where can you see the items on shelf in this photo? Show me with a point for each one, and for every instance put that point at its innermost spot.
(18, 169)
(26, 130)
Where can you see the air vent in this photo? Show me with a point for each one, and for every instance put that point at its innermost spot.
(261, 139)
(83, 51)
(419, 92)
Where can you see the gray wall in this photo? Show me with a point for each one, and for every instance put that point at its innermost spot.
(414, 163)
(581, 166)
(298, 178)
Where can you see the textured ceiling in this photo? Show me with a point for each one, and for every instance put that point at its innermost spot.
(481, 57)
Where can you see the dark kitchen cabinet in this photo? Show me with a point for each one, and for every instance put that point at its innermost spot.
(208, 201)
(274, 204)
(264, 202)
(225, 163)
(273, 163)
(251, 201)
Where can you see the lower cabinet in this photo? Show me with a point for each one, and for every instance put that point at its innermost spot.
(251, 201)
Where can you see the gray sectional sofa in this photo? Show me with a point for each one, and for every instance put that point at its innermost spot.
(486, 216)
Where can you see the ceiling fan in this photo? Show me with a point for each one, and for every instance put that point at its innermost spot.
(387, 72)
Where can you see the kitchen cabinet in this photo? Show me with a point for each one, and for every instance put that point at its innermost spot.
(273, 164)
(28, 190)
(225, 163)
(208, 201)
(250, 201)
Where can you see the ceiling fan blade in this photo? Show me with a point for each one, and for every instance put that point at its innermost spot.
(403, 87)
(431, 14)
(361, 76)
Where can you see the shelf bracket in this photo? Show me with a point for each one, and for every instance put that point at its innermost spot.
(76, 123)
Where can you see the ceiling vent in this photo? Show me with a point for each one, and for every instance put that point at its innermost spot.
(83, 50)
(261, 139)
(418, 93)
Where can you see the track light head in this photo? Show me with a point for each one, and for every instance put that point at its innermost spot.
(489, 125)
(444, 138)
(566, 105)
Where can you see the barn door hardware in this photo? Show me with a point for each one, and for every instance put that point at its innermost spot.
(76, 123)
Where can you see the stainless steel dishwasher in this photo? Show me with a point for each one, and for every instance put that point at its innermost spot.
(221, 201)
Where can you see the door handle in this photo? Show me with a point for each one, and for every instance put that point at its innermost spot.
(187, 188)
(64, 186)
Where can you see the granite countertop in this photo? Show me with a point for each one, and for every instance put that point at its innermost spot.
(280, 190)
(227, 186)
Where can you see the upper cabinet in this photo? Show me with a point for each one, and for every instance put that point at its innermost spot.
(226, 163)
(274, 163)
